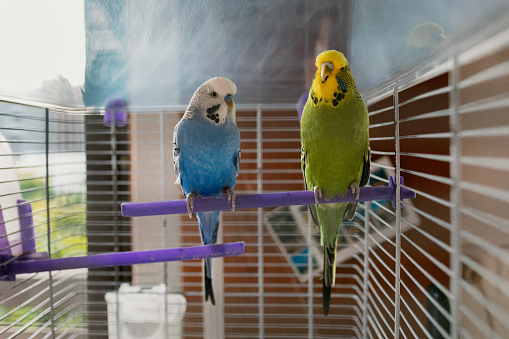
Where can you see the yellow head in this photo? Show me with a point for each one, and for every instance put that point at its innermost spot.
(333, 81)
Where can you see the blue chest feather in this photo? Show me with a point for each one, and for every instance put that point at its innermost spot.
(208, 156)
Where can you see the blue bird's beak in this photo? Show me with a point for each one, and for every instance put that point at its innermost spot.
(229, 101)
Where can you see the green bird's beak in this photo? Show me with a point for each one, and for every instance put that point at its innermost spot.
(327, 68)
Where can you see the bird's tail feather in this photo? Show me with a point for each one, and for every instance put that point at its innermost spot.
(329, 274)
(209, 225)
(326, 292)
(209, 292)
(329, 264)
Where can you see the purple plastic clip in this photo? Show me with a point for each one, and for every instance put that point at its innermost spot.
(5, 249)
(392, 183)
(28, 242)
(302, 102)
(6, 273)
(118, 108)
(27, 230)
(26, 225)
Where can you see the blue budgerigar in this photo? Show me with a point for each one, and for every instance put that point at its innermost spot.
(206, 155)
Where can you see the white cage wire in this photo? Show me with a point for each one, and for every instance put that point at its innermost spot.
(37, 141)
(437, 268)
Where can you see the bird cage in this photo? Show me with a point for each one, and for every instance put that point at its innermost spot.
(430, 267)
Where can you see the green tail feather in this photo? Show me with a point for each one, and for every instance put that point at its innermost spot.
(329, 265)
(329, 218)
(326, 291)
(329, 274)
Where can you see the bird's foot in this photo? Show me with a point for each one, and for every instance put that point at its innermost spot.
(356, 191)
(231, 197)
(318, 194)
(190, 203)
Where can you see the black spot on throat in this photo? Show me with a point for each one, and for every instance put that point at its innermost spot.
(211, 113)
(213, 109)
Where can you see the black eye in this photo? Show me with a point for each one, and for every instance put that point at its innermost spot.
(213, 94)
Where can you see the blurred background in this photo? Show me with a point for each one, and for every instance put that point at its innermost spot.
(153, 53)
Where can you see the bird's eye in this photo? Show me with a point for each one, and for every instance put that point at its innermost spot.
(213, 94)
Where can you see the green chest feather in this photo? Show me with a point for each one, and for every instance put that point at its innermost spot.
(335, 141)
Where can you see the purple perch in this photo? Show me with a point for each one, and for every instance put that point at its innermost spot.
(127, 258)
(141, 209)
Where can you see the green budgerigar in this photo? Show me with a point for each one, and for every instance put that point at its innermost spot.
(335, 152)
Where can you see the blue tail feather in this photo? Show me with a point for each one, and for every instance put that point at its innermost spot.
(209, 291)
(209, 226)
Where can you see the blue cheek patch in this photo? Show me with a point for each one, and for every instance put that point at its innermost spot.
(341, 85)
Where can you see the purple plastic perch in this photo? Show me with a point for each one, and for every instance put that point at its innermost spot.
(127, 258)
(140, 209)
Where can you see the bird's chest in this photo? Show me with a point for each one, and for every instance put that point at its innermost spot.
(208, 159)
(335, 144)
(209, 145)
(334, 135)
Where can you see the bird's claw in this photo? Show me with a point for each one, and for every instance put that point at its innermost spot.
(318, 193)
(356, 191)
(231, 197)
(190, 203)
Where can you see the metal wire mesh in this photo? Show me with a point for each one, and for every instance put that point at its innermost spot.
(437, 268)
(446, 271)
(42, 162)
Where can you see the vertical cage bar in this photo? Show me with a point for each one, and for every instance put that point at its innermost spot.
(397, 282)
(162, 141)
(310, 275)
(307, 49)
(113, 140)
(259, 165)
(365, 277)
(48, 228)
(455, 150)
(113, 136)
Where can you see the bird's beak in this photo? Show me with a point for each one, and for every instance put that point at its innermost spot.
(229, 102)
(327, 68)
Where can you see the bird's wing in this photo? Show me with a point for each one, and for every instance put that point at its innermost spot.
(366, 169)
(236, 160)
(312, 208)
(176, 157)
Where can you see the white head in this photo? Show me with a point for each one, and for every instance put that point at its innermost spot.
(214, 99)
